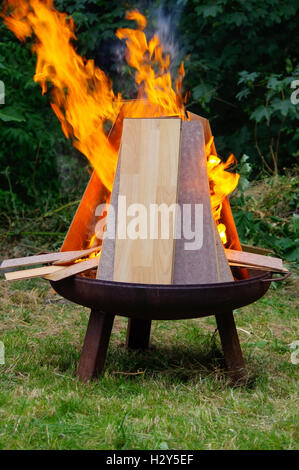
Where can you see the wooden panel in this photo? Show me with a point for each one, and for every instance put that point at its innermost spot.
(149, 162)
(226, 212)
(198, 265)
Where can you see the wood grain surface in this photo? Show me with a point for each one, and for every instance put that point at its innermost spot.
(149, 165)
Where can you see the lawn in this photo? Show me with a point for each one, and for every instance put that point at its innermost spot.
(174, 396)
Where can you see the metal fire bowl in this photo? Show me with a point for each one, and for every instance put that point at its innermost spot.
(163, 302)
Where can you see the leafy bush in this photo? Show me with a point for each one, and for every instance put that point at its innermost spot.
(242, 60)
(28, 130)
(266, 213)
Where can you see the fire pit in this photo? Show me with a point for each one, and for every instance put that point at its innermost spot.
(142, 303)
(152, 153)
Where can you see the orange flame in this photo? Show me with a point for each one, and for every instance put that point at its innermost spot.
(83, 97)
(222, 183)
(152, 71)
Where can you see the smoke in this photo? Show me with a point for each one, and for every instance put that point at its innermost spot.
(162, 20)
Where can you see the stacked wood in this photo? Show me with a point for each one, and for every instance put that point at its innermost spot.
(63, 264)
(56, 272)
(134, 261)
(161, 161)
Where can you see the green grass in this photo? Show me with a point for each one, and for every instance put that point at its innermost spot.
(176, 395)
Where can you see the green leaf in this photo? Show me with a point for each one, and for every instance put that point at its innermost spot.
(260, 113)
(10, 114)
(203, 92)
(293, 255)
(248, 78)
(283, 106)
(242, 94)
(208, 10)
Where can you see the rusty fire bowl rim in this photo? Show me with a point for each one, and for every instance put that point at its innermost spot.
(163, 301)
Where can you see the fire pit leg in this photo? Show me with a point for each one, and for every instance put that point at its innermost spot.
(138, 333)
(231, 346)
(95, 345)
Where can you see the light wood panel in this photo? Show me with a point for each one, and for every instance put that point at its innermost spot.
(149, 164)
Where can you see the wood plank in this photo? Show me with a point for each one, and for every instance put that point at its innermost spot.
(226, 212)
(31, 273)
(72, 259)
(149, 163)
(46, 258)
(200, 265)
(258, 268)
(74, 269)
(254, 259)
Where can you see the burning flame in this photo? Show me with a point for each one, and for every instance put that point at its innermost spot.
(222, 183)
(82, 96)
(152, 72)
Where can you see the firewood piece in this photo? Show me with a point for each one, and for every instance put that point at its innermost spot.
(31, 273)
(149, 160)
(252, 259)
(74, 269)
(258, 268)
(72, 259)
(47, 258)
